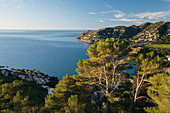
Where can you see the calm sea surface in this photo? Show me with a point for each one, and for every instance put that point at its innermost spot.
(54, 52)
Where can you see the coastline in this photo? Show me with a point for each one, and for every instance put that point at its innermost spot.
(30, 75)
(86, 41)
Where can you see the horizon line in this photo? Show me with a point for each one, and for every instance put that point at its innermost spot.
(48, 28)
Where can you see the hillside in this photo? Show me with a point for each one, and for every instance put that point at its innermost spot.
(158, 32)
(29, 75)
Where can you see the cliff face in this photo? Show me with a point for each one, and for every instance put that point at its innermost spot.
(147, 32)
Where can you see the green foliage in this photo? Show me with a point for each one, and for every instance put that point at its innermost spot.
(167, 46)
(60, 94)
(69, 85)
(53, 81)
(19, 94)
(159, 92)
(160, 51)
(35, 110)
(74, 106)
(104, 68)
(148, 63)
(105, 54)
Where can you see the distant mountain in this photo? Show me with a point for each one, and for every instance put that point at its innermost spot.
(158, 32)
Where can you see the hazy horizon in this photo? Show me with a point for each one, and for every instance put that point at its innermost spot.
(68, 28)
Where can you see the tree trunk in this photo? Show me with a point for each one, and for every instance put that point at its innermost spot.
(133, 104)
(136, 93)
(99, 109)
(108, 106)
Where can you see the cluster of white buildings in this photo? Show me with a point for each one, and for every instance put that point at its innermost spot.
(106, 34)
(38, 77)
(146, 36)
(5, 72)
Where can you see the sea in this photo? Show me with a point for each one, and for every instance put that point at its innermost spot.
(53, 52)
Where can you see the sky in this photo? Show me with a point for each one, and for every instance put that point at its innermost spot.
(80, 14)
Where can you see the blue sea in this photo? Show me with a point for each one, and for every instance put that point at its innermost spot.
(53, 52)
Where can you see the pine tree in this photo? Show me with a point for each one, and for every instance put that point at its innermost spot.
(104, 68)
(19, 95)
(148, 64)
(74, 106)
(69, 85)
(159, 92)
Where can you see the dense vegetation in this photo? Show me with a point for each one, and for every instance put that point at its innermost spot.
(103, 84)
(161, 49)
(20, 96)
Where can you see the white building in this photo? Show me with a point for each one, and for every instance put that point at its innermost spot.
(4, 72)
(168, 57)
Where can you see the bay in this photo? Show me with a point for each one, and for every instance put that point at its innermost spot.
(54, 52)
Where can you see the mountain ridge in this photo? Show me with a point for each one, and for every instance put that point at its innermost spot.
(158, 32)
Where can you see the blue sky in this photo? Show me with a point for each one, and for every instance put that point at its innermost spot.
(80, 14)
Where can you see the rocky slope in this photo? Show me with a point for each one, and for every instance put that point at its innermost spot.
(158, 32)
